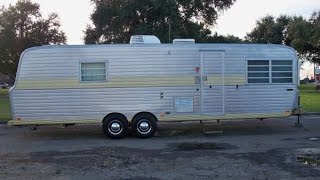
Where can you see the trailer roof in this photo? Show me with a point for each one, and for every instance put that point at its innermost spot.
(169, 45)
(199, 46)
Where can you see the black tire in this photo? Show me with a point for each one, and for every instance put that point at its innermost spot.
(146, 131)
(115, 126)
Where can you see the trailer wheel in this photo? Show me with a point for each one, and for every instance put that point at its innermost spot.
(144, 125)
(115, 126)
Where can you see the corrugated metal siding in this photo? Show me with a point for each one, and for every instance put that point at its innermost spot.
(94, 103)
(83, 102)
(212, 96)
(258, 98)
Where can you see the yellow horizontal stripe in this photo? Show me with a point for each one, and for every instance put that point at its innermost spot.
(222, 117)
(229, 79)
(45, 84)
(113, 82)
(160, 118)
(52, 122)
(135, 81)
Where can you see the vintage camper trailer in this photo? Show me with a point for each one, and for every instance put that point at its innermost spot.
(144, 82)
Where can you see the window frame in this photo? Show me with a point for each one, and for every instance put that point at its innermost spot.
(270, 71)
(292, 74)
(247, 71)
(90, 61)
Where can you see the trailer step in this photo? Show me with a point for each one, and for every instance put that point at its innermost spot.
(211, 128)
(212, 132)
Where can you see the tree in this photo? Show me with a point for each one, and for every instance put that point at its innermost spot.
(304, 36)
(295, 31)
(269, 30)
(22, 26)
(314, 53)
(222, 39)
(114, 21)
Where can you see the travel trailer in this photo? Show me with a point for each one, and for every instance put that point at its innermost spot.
(145, 82)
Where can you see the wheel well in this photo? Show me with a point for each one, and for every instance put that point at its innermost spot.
(115, 114)
(148, 113)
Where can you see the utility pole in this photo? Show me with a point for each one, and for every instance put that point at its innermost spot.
(314, 72)
(169, 30)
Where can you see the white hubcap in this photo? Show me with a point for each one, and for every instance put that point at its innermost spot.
(115, 127)
(144, 127)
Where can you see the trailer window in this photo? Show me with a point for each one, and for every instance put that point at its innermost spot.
(273, 71)
(282, 71)
(258, 71)
(93, 71)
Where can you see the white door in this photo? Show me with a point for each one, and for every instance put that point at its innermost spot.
(212, 86)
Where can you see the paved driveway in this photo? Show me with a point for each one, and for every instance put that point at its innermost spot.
(250, 149)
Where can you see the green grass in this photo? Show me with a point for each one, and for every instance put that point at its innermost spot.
(5, 113)
(4, 92)
(310, 100)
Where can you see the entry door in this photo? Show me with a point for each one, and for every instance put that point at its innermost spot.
(212, 86)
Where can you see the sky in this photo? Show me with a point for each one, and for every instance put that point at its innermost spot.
(243, 15)
(238, 20)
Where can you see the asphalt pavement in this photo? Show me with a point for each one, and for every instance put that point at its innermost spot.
(246, 149)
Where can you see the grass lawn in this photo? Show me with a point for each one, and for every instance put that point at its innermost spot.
(310, 100)
(5, 114)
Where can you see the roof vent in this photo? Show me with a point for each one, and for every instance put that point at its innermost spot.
(184, 41)
(144, 39)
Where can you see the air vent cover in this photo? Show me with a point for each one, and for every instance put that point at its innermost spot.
(184, 41)
(144, 39)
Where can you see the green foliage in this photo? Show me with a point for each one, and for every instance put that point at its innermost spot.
(5, 113)
(222, 39)
(307, 88)
(295, 31)
(305, 36)
(115, 21)
(22, 26)
(269, 30)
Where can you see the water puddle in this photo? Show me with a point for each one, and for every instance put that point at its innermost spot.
(309, 159)
(313, 138)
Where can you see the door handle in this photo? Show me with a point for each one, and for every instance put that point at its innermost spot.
(197, 80)
(204, 78)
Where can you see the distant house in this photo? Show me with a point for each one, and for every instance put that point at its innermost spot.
(317, 73)
(307, 70)
(310, 71)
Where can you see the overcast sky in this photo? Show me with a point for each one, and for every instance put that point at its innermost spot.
(240, 19)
